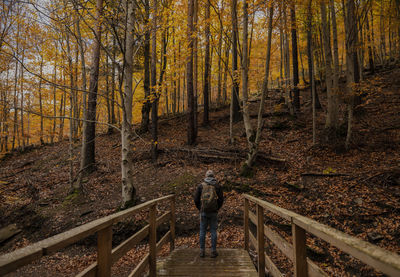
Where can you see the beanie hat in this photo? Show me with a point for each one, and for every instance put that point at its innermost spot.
(210, 173)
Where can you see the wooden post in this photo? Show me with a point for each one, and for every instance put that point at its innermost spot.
(299, 249)
(152, 241)
(104, 248)
(172, 224)
(246, 224)
(260, 241)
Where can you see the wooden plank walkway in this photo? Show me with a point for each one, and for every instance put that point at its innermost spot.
(187, 262)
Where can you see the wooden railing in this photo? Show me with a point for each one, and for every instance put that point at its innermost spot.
(106, 256)
(378, 258)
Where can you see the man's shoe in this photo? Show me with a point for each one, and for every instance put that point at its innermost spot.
(214, 254)
(202, 253)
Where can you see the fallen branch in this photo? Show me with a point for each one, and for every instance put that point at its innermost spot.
(294, 186)
(216, 154)
(316, 174)
(270, 114)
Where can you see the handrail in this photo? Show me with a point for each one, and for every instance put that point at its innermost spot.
(103, 227)
(380, 259)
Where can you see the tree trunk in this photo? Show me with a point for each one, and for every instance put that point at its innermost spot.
(254, 139)
(219, 92)
(370, 46)
(336, 73)
(178, 97)
(245, 70)
(332, 112)
(296, 95)
(41, 104)
(154, 103)
(226, 68)
(195, 65)
(146, 83)
(174, 74)
(21, 76)
(71, 87)
(107, 89)
(128, 188)
(189, 77)
(235, 87)
(62, 111)
(53, 132)
(113, 120)
(207, 66)
(83, 65)
(89, 125)
(383, 34)
(352, 63)
(311, 67)
(15, 128)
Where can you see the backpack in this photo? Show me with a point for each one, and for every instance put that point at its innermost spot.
(209, 197)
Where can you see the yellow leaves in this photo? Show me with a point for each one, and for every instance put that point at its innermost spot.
(329, 170)
(278, 108)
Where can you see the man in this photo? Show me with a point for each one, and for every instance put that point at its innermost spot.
(209, 199)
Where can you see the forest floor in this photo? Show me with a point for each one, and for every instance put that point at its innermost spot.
(364, 201)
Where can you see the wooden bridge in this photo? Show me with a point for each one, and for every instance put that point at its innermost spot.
(186, 262)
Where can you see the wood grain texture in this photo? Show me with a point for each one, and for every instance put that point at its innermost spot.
(260, 241)
(380, 259)
(14, 260)
(187, 262)
(104, 248)
(152, 241)
(299, 251)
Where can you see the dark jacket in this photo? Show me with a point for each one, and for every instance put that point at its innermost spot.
(218, 190)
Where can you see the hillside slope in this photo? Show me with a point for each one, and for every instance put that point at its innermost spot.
(363, 201)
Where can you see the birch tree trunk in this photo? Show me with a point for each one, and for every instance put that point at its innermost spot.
(128, 188)
(245, 70)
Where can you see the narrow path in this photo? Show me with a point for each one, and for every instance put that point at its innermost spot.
(186, 262)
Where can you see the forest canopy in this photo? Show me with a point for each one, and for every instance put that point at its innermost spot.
(73, 69)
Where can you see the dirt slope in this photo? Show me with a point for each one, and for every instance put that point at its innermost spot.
(364, 201)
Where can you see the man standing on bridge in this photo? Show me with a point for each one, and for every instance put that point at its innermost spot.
(209, 199)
